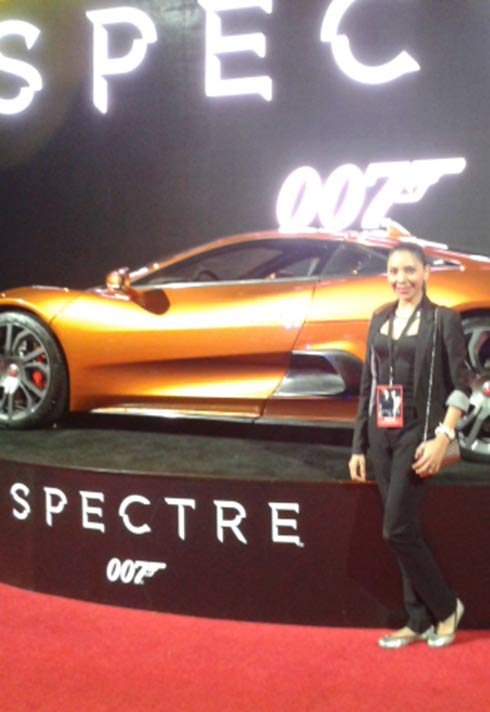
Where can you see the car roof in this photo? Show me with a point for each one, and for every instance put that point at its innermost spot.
(382, 238)
(385, 238)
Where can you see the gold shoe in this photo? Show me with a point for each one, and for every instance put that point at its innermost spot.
(393, 641)
(435, 640)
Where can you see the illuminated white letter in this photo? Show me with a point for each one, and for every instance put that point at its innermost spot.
(299, 197)
(397, 67)
(181, 504)
(127, 502)
(277, 522)
(346, 181)
(16, 491)
(233, 524)
(87, 510)
(395, 174)
(217, 43)
(25, 71)
(104, 65)
(51, 507)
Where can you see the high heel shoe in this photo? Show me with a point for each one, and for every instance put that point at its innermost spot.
(437, 640)
(393, 641)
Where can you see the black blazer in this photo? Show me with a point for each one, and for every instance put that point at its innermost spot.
(451, 380)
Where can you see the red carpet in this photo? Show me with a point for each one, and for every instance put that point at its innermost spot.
(59, 655)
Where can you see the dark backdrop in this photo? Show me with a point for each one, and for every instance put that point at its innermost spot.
(168, 167)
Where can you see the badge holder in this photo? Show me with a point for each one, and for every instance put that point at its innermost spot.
(389, 406)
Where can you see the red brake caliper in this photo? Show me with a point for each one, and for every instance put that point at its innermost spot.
(38, 377)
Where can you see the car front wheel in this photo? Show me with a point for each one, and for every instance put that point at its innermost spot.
(474, 428)
(33, 377)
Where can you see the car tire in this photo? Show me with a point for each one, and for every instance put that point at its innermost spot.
(474, 427)
(33, 375)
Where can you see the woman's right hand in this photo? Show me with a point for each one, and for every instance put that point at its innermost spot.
(357, 468)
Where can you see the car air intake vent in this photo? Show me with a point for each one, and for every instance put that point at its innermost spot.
(325, 373)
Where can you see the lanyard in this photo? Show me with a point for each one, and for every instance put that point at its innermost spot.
(414, 315)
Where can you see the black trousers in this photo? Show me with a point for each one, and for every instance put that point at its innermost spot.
(427, 597)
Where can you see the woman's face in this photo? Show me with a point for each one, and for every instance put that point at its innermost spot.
(407, 276)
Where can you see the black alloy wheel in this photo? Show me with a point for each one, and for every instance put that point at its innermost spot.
(33, 377)
(474, 427)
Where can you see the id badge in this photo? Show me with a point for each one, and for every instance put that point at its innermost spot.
(389, 406)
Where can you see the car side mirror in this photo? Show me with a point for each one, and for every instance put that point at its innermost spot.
(118, 280)
(153, 300)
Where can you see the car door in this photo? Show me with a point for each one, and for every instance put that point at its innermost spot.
(199, 344)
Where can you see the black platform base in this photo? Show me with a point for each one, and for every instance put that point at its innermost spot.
(241, 544)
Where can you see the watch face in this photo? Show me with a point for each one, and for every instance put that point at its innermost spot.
(445, 430)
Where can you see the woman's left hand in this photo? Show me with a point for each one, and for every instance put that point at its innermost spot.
(429, 456)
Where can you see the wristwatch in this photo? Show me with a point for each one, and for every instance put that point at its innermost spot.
(442, 429)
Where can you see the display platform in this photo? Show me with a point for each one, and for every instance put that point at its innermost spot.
(227, 521)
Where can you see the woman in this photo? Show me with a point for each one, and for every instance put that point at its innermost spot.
(405, 339)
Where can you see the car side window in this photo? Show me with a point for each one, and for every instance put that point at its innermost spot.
(352, 261)
(274, 259)
(221, 264)
(235, 264)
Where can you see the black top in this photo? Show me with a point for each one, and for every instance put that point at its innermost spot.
(451, 374)
(404, 363)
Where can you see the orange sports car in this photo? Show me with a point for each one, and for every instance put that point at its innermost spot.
(266, 326)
